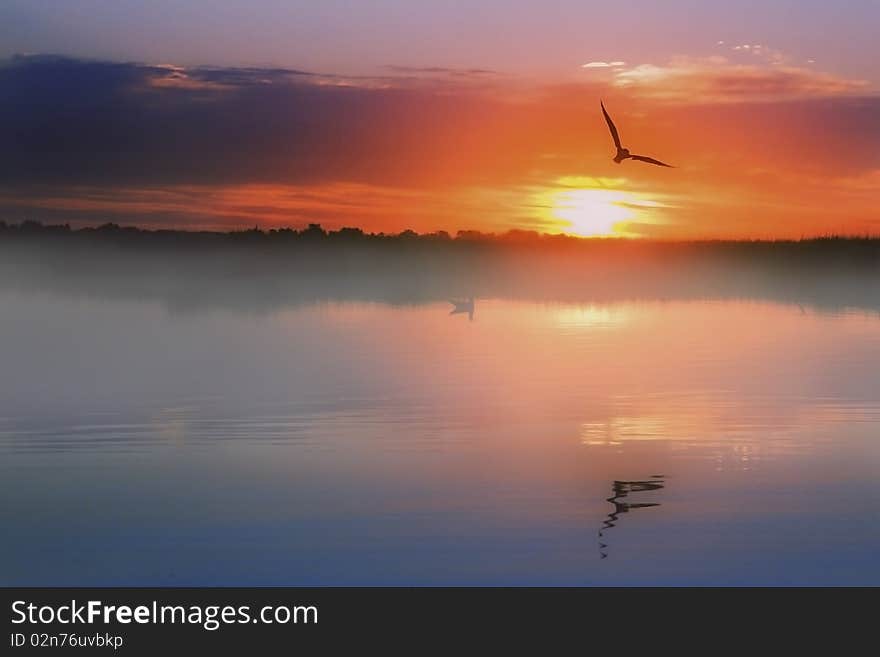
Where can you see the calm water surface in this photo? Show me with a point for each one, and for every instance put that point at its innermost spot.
(730, 442)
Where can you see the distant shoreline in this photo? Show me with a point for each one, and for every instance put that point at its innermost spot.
(315, 232)
(265, 270)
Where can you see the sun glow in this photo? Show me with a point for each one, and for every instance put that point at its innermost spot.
(592, 212)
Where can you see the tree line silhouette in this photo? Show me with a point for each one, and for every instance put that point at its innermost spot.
(264, 269)
(851, 249)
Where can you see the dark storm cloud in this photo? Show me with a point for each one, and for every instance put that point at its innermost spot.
(243, 76)
(86, 122)
(92, 123)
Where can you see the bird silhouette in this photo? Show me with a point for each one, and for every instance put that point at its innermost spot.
(623, 153)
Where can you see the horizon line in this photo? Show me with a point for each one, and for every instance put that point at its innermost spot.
(463, 235)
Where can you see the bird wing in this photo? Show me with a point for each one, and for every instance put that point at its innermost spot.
(611, 127)
(650, 160)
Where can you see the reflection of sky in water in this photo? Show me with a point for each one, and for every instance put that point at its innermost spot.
(361, 443)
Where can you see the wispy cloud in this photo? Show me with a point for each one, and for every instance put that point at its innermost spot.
(603, 64)
(717, 79)
(441, 70)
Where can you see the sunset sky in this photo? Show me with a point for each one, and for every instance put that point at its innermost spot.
(479, 114)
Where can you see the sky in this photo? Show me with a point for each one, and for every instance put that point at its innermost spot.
(393, 115)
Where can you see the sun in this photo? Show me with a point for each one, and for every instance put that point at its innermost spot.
(597, 207)
(592, 212)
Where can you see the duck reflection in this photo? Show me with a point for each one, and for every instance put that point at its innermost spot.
(463, 306)
(621, 490)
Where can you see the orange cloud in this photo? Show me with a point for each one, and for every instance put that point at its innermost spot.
(334, 205)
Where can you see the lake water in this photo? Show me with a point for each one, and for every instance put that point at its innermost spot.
(710, 442)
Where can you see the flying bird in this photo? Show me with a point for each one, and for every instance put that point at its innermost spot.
(623, 153)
